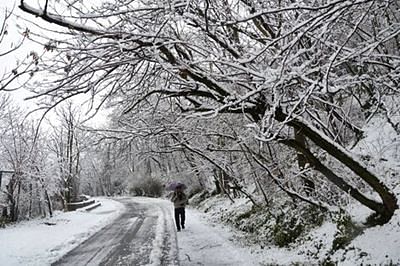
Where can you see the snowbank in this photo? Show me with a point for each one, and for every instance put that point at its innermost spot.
(378, 245)
(205, 243)
(43, 241)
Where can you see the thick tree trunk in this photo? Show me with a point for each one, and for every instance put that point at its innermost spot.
(338, 181)
(389, 200)
(48, 200)
(218, 189)
(309, 185)
(13, 191)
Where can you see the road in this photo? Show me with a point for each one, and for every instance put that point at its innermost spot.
(144, 234)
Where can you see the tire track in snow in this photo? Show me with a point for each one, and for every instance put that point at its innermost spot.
(97, 247)
(165, 250)
(143, 235)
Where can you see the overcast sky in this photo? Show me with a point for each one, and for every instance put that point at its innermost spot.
(13, 36)
(16, 25)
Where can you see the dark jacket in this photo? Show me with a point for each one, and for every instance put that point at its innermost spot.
(179, 199)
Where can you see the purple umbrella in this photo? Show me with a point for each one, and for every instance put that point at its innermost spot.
(174, 185)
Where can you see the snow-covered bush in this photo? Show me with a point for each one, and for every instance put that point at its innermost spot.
(279, 224)
(150, 187)
(197, 198)
(346, 230)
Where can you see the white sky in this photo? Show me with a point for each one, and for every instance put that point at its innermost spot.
(7, 63)
(15, 27)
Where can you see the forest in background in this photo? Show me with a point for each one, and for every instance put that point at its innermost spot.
(263, 100)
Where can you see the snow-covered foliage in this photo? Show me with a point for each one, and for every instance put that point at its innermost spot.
(342, 238)
(26, 184)
(333, 239)
(306, 76)
(289, 106)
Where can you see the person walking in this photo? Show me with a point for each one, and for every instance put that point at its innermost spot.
(180, 200)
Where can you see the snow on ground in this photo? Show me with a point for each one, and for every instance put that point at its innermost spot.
(202, 243)
(379, 245)
(206, 242)
(43, 241)
(37, 243)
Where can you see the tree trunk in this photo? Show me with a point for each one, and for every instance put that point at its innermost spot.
(30, 200)
(309, 185)
(13, 186)
(389, 200)
(192, 164)
(49, 205)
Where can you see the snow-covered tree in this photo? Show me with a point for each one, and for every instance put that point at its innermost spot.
(67, 143)
(304, 74)
(24, 155)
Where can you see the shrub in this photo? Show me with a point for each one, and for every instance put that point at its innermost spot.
(286, 230)
(199, 197)
(294, 221)
(150, 187)
(346, 230)
(194, 191)
(4, 221)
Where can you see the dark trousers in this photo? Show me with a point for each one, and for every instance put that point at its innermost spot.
(180, 218)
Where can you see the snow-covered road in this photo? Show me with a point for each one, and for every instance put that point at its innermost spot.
(122, 231)
(142, 235)
(140, 231)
